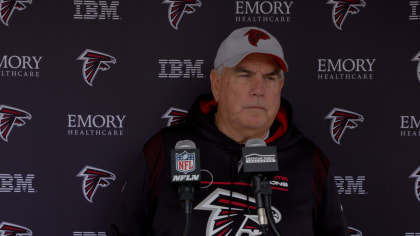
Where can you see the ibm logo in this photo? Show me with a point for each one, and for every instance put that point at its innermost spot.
(173, 68)
(414, 15)
(16, 183)
(348, 185)
(89, 234)
(92, 10)
(412, 234)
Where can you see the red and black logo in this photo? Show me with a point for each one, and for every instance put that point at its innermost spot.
(177, 8)
(242, 219)
(341, 120)
(93, 178)
(417, 58)
(93, 61)
(174, 115)
(354, 232)
(255, 35)
(9, 118)
(416, 175)
(342, 8)
(7, 7)
(8, 229)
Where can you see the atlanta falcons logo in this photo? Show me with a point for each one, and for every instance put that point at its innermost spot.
(255, 35)
(416, 174)
(8, 229)
(9, 118)
(243, 214)
(354, 232)
(341, 120)
(417, 58)
(94, 177)
(7, 7)
(174, 116)
(93, 61)
(177, 8)
(342, 8)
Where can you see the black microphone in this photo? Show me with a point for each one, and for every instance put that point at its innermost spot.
(259, 163)
(185, 174)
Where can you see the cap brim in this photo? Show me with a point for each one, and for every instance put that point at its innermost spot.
(232, 62)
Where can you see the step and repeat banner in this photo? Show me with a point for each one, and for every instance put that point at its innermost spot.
(84, 83)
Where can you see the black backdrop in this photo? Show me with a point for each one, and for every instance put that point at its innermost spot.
(376, 162)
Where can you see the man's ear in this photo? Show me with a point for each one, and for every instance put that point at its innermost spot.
(215, 80)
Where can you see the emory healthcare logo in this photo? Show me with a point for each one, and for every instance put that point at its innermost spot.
(341, 120)
(174, 116)
(7, 7)
(177, 8)
(9, 229)
(92, 178)
(9, 118)
(342, 8)
(417, 58)
(239, 219)
(93, 61)
(416, 175)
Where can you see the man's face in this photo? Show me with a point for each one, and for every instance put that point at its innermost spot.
(248, 94)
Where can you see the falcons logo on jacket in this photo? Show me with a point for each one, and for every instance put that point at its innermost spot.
(93, 61)
(9, 118)
(92, 179)
(8, 229)
(177, 8)
(417, 58)
(255, 35)
(354, 232)
(341, 120)
(7, 7)
(174, 116)
(243, 214)
(342, 8)
(416, 175)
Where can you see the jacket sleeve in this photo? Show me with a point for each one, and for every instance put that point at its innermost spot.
(328, 218)
(133, 215)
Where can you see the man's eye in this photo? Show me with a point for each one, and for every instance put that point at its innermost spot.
(270, 78)
(244, 75)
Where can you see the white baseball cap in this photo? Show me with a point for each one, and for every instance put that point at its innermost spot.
(247, 40)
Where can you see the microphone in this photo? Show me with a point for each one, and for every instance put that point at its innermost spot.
(185, 174)
(185, 163)
(258, 163)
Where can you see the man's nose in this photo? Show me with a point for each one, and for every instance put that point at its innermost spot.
(257, 88)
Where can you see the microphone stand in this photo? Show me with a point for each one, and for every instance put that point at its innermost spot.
(266, 192)
(186, 197)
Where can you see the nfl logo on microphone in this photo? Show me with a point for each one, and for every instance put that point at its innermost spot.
(185, 162)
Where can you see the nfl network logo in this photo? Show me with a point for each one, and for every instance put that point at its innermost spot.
(185, 162)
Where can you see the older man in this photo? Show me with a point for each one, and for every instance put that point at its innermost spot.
(245, 104)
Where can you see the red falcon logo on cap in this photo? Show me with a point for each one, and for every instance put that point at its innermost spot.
(177, 8)
(9, 118)
(342, 8)
(94, 177)
(7, 7)
(255, 35)
(94, 61)
(341, 120)
(8, 229)
(416, 174)
(174, 115)
(242, 219)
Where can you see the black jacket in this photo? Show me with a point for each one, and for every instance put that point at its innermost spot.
(304, 198)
